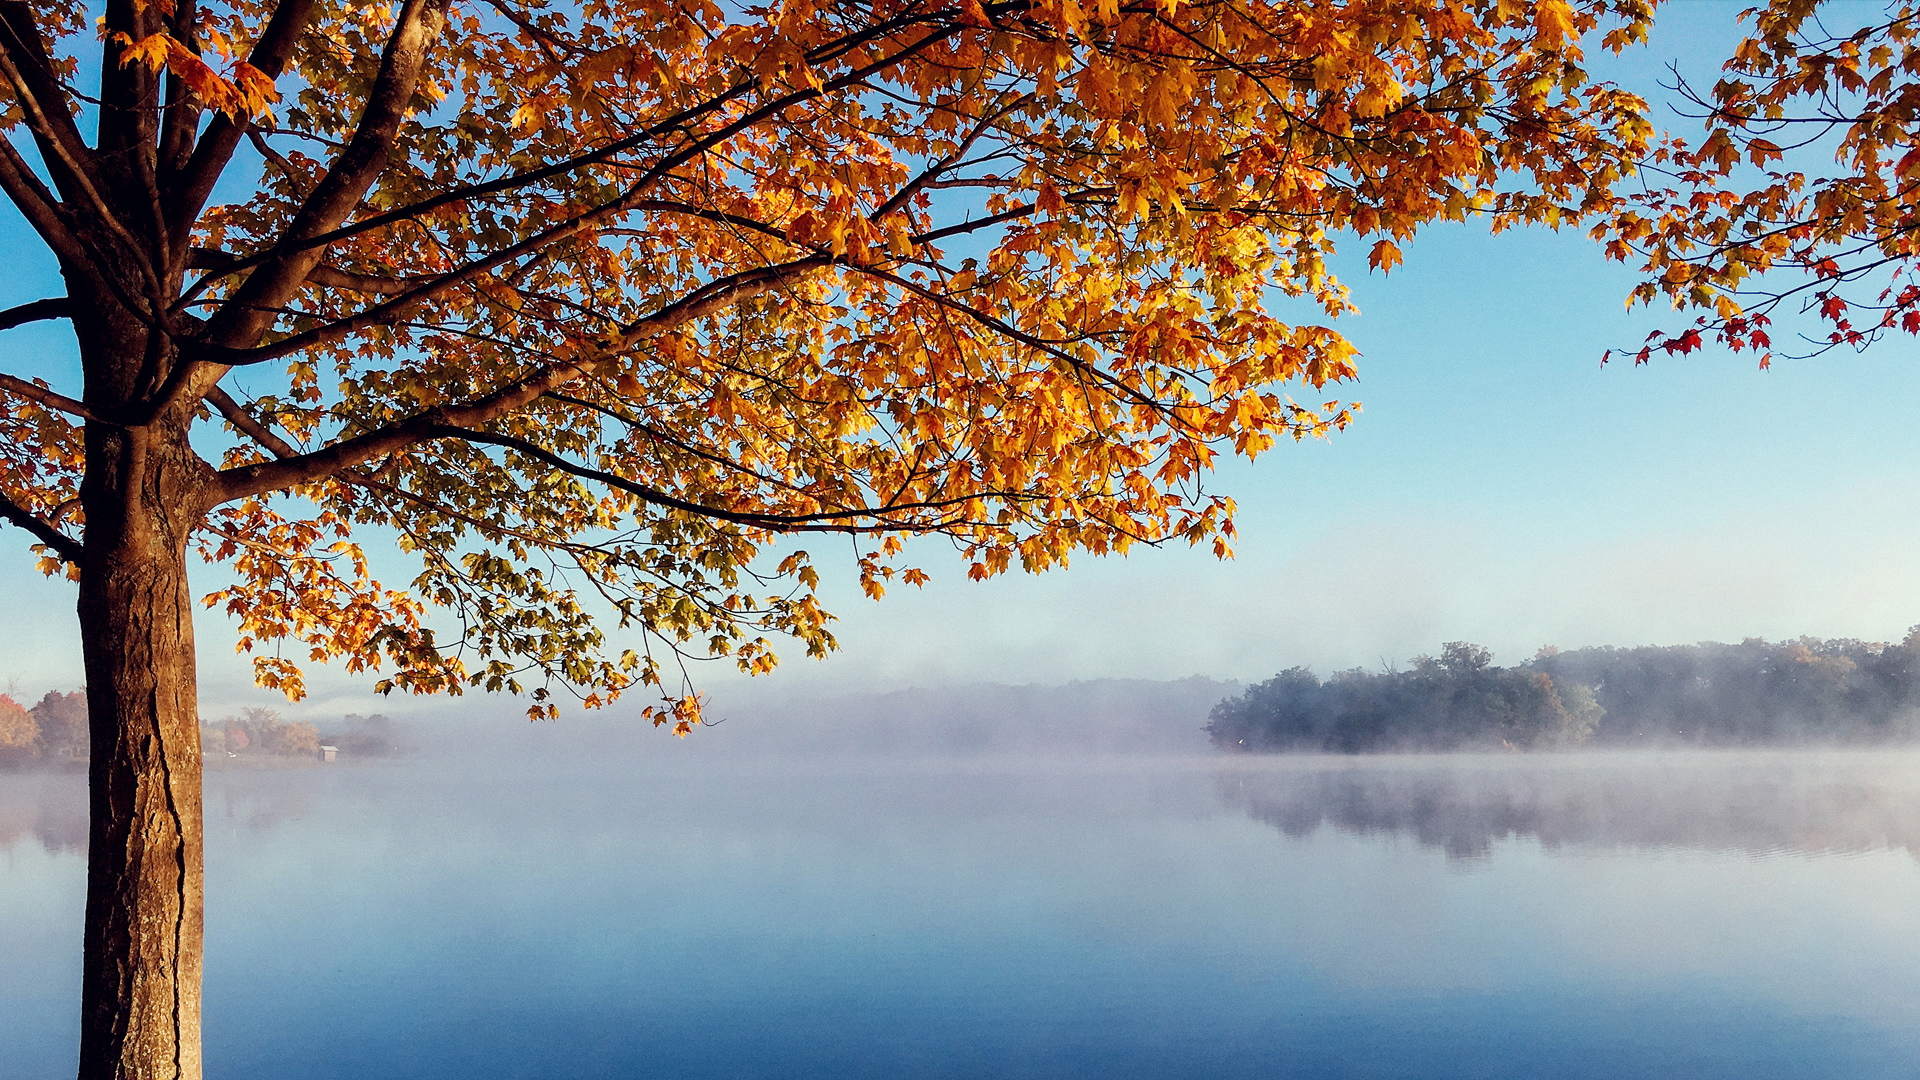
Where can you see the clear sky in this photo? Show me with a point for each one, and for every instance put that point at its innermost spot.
(1499, 486)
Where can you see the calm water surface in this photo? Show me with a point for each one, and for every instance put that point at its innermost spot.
(1605, 916)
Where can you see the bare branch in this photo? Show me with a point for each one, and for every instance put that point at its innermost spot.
(40, 206)
(959, 154)
(25, 62)
(54, 307)
(250, 426)
(73, 166)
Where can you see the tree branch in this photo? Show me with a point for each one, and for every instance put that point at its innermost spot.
(370, 284)
(634, 423)
(249, 311)
(411, 430)
(194, 185)
(932, 172)
(679, 121)
(34, 392)
(406, 297)
(247, 424)
(1013, 333)
(619, 483)
(71, 163)
(829, 520)
(63, 545)
(129, 116)
(182, 109)
(53, 307)
(43, 101)
(627, 201)
(40, 206)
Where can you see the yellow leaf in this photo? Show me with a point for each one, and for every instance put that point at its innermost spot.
(1553, 23)
(149, 51)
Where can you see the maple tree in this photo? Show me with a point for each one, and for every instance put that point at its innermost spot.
(585, 306)
(1739, 225)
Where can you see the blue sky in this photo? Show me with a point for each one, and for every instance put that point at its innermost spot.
(1499, 486)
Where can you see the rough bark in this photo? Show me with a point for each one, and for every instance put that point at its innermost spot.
(140, 1007)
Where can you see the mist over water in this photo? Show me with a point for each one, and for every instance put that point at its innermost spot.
(608, 908)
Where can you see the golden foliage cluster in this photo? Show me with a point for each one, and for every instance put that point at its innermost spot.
(599, 305)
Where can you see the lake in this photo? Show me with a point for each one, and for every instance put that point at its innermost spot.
(648, 913)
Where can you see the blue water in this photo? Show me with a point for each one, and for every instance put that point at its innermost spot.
(1749, 916)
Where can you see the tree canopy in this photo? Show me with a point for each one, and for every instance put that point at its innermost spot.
(585, 305)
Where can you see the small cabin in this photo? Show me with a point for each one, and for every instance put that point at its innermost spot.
(328, 753)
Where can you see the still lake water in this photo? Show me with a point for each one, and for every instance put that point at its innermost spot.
(1745, 915)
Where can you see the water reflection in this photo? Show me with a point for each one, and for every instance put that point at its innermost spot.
(1037, 917)
(49, 809)
(1754, 804)
(1757, 804)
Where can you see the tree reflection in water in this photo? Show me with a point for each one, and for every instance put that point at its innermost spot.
(49, 807)
(1754, 804)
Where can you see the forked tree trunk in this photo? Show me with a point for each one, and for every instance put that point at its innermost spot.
(140, 997)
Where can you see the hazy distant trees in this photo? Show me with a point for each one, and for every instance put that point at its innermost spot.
(367, 737)
(17, 731)
(54, 732)
(61, 720)
(1458, 699)
(1807, 690)
(260, 731)
(264, 732)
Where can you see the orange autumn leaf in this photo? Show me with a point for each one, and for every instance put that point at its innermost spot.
(1553, 22)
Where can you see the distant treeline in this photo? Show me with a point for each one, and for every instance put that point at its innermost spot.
(1757, 692)
(54, 732)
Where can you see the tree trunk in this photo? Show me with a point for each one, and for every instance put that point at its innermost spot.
(140, 996)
